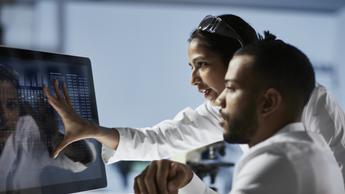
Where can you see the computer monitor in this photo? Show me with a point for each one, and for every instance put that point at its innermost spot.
(30, 128)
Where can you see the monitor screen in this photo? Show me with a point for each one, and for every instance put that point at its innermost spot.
(30, 128)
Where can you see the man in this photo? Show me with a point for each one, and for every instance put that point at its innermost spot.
(267, 86)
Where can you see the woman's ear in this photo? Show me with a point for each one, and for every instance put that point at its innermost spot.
(271, 101)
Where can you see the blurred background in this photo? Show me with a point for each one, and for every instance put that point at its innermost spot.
(138, 50)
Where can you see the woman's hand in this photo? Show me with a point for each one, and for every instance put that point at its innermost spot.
(76, 128)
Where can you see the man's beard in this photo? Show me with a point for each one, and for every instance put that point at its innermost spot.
(241, 127)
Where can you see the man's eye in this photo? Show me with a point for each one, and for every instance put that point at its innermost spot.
(230, 89)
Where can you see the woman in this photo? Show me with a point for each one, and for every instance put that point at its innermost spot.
(211, 47)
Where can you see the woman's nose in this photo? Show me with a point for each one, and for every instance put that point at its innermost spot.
(195, 80)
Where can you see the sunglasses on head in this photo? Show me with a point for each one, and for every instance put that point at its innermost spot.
(216, 25)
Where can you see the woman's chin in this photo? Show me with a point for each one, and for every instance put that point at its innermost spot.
(212, 98)
(213, 101)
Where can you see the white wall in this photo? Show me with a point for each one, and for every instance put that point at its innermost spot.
(340, 53)
(18, 24)
(139, 52)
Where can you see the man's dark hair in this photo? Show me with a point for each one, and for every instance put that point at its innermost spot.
(284, 67)
(223, 46)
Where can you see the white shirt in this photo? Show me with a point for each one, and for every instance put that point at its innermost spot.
(291, 161)
(195, 128)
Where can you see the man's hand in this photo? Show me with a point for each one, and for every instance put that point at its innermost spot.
(163, 177)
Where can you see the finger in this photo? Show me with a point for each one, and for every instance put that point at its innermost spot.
(65, 92)
(179, 179)
(172, 188)
(57, 107)
(47, 92)
(136, 187)
(172, 171)
(57, 90)
(54, 102)
(64, 143)
(163, 168)
(149, 178)
(141, 184)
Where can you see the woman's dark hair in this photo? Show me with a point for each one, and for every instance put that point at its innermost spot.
(223, 46)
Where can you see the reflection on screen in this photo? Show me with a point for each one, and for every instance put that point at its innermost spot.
(30, 129)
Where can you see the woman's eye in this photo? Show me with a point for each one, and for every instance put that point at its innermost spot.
(201, 64)
(190, 66)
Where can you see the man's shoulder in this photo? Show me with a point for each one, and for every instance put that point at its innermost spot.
(292, 146)
(289, 162)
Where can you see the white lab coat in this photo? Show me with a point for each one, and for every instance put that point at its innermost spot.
(195, 128)
(292, 161)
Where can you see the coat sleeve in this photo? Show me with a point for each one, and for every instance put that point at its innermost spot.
(324, 115)
(188, 130)
(196, 185)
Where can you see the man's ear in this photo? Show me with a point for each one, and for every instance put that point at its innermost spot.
(271, 101)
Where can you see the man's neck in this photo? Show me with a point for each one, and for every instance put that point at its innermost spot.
(267, 131)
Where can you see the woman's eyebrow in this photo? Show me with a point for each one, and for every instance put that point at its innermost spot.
(197, 58)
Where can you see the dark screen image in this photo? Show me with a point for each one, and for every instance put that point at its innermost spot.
(30, 129)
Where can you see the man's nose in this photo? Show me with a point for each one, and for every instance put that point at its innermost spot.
(220, 101)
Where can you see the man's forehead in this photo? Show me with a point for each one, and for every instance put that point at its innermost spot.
(239, 67)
